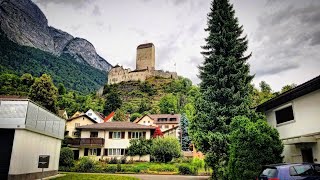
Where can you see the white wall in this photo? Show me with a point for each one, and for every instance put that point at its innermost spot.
(94, 116)
(27, 146)
(306, 110)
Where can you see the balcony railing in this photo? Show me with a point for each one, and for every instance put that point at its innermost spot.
(85, 141)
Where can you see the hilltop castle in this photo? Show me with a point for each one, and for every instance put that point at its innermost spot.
(145, 67)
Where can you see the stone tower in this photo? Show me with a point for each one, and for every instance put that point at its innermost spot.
(145, 57)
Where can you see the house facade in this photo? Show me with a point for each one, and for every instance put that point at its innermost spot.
(75, 121)
(163, 121)
(296, 116)
(27, 131)
(109, 139)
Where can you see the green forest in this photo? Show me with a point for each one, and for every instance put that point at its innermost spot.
(16, 59)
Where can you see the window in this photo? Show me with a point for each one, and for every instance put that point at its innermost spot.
(66, 133)
(136, 135)
(114, 152)
(76, 124)
(148, 121)
(95, 118)
(166, 126)
(144, 122)
(116, 135)
(300, 170)
(162, 119)
(284, 115)
(93, 134)
(76, 133)
(89, 114)
(173, 119)
(93, 152)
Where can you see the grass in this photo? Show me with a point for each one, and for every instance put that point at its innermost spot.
(82, 176)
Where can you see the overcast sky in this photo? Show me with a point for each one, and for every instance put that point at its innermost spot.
(284, 36)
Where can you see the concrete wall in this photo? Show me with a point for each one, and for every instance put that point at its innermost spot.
(306, 110)
(27, 147)
(70, 125)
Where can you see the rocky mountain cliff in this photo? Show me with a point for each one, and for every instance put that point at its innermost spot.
(24, 23)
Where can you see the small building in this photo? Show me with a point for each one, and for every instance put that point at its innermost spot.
(296, 116)
(27, 131)
(109, 139)
(75, 121)
(98, 117)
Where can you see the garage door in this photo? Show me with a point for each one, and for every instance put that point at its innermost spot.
(6, 141)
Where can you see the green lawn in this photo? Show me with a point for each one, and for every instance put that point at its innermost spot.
(80, 176)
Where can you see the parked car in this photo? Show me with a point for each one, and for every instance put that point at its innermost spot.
(303, 171)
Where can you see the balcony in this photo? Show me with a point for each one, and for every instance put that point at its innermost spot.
(85, 142)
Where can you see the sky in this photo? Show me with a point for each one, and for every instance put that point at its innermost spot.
(283, 35)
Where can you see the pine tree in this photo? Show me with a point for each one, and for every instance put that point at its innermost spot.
(44, 92)
(225, 85)
(185, 140)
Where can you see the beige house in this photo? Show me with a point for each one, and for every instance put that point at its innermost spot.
(80, 119)
(296, 115)
(163, 121)
(109, 139)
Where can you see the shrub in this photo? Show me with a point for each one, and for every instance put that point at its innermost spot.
(118, 167)
(123, 160)
(85, 164)
(66, 157)
(165, 149)
(252, 144)
(186, 169)
(64, 169)
(197, 164)
(110, 169)
(113, 160)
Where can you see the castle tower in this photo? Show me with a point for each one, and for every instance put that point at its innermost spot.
(145, 57)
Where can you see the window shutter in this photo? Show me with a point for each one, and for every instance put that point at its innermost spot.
(98, 152)
(122, 135)
(129, 135)
(106, 152)
(86, 151)
(144, 135)
(110, 135)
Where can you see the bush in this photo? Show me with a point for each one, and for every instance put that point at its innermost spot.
(113, 160)
(252, 144)
(197, 164)
(66, 157)
(64, 169)
(110, 169)
(123, 160)
(85, 164)
(186, 169)
(118, 167)
(165, 149)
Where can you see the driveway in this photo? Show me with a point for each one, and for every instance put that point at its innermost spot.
(165, 177)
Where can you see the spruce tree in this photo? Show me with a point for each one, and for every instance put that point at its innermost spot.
(185, 140)
(225, 85)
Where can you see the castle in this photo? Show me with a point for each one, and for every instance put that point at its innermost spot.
(145, 67)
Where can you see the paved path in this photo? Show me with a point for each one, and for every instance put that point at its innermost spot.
(165, 177)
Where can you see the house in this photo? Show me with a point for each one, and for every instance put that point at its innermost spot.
(75, 121)
(109, 139)
(174, 131)
(296, 116)
(164, 121)
(63, 114)
(98, 117)
(27, 131)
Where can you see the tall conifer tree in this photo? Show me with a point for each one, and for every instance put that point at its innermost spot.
(225, 85)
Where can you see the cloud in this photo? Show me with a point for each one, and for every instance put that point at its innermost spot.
(288, 32)
(96, 11)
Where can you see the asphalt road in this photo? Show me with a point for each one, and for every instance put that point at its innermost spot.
(165, 177)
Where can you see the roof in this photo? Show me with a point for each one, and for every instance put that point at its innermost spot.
(147, 45)
(138, 70)
(82, 115)
(116, 125)
(155, 117)
(99, 114)
(109, 116)
(170, 129)
(301, 90)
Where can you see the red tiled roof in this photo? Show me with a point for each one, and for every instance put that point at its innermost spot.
(108, 117)
(116, 125)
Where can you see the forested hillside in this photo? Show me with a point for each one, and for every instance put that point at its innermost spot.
(76, 76)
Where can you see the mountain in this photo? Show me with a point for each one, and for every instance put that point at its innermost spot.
(25, 24)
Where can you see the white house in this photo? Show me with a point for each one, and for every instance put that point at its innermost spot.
(109, 139)
(95, 116)
(163, 121)
(26, 132)
(296, 115)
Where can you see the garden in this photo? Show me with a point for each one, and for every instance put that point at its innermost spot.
(72, 176)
